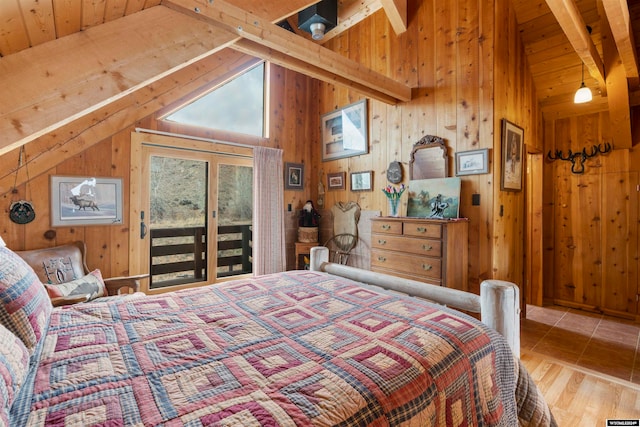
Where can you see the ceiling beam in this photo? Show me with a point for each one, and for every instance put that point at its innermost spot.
(38, 100)
(260, 51)
(568, 16)
(396, 11)
(72, 138)
(350, 14)
(222, 14)
(617, 12)
(617, 91)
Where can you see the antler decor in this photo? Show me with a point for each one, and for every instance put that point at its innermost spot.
(577, 159)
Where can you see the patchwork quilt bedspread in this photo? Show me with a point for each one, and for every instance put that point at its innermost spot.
(294, 349)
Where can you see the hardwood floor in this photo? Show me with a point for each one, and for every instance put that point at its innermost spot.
(586, 365)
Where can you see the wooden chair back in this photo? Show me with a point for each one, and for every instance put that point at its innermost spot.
(58, 264)
(64, 263)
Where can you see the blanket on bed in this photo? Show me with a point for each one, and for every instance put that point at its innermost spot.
(297, 348)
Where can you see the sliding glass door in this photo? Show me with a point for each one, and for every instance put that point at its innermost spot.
(194, 214)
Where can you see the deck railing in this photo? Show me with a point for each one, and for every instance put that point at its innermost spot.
(179, 255)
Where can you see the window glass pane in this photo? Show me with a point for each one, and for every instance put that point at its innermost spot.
(237, 106)
(178, 220)
(235, 213)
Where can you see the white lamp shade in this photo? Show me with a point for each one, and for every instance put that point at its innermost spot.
(582, 95)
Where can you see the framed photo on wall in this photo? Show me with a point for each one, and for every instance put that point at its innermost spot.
(361, 181)
(472, 162)
(335, 181)
(344, 132)
(84, 200)
(512, 156)
(293, 176)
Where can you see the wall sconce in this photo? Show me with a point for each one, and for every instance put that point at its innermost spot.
(319, 18)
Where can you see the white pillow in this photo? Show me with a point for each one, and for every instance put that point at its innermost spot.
(91, 284)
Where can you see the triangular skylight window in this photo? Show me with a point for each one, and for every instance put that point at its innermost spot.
(236, 106)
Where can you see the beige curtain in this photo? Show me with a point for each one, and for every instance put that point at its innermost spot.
(269, 254)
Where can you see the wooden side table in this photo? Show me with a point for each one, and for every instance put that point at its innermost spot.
(303, 248)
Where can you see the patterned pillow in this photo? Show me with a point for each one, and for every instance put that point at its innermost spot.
(91, 284)
(14, 364)
(24, 305)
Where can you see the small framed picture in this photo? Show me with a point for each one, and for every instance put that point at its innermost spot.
(293, 176)
(472, 162)
(361, 181)
(335, 181)
(512, 147)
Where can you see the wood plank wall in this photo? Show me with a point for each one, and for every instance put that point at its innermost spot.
(591, 220)
(465, 63)
(452, 55)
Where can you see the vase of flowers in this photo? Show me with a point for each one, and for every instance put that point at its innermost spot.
(393, 194)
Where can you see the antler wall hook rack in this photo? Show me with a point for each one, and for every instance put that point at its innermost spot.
(578, 158)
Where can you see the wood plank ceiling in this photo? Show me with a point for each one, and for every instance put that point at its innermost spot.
(554, 34)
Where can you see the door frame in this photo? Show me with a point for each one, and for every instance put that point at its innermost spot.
(138, 242)
(534, 249)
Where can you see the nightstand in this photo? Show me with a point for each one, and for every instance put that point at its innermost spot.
(303, 248)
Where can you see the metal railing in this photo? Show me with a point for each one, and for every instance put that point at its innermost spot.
(179, 255)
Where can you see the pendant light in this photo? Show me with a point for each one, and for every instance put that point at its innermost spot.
(584, 93)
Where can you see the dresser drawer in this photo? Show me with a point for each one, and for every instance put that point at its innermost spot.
(390, 227)
(418, 229)
(427, 247)
(415, 265)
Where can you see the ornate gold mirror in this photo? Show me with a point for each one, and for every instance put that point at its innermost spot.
(429, 159)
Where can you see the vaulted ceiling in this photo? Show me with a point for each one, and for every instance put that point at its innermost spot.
(554, 34)
(557, 43)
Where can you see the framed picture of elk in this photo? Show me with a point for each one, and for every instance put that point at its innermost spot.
(83, 200)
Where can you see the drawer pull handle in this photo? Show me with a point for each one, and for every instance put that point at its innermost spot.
(382, 242)
(386, 227)
(427, 247)
(426, 267)
(422, 229)
(381, 259)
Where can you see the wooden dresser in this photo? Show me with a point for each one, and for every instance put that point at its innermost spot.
(428, 250)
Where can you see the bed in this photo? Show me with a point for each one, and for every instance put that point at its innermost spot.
(305, 348)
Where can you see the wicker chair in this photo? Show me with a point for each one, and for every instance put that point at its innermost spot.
(340, 247)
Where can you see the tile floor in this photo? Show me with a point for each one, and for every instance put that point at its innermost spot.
(598, 342)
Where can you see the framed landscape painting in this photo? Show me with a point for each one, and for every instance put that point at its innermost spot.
(434, 198)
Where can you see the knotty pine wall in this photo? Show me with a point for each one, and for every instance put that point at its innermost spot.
(465, 62)
(591, 220)
(466, 65)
